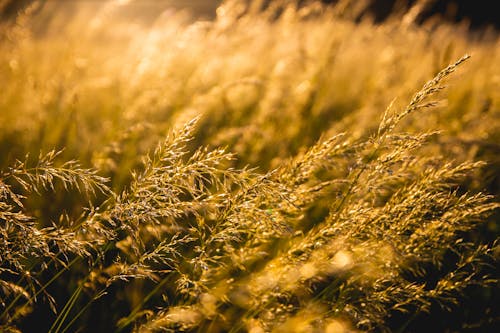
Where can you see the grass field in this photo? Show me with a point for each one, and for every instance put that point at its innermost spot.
(286, 169)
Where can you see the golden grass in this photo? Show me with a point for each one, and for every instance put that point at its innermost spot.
(321, 213)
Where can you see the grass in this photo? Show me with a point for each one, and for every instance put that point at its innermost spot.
(242, 175)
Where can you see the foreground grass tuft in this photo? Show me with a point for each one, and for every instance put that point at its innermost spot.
(347, 219)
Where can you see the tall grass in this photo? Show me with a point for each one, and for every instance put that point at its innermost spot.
(321, 213)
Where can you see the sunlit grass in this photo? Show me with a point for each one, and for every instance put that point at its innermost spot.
(340, 201)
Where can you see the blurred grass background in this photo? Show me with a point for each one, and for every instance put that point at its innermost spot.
(105, 81)
(104, 85)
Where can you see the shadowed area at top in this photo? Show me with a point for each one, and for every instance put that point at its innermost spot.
(477, 13)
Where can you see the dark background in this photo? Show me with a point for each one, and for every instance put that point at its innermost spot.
(479, 13)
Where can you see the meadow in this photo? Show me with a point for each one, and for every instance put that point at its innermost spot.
(277, 168)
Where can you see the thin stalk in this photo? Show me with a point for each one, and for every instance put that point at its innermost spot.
(42, 289)
(81, 311)
(56, 326)
(139, 307)
(71, 302)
